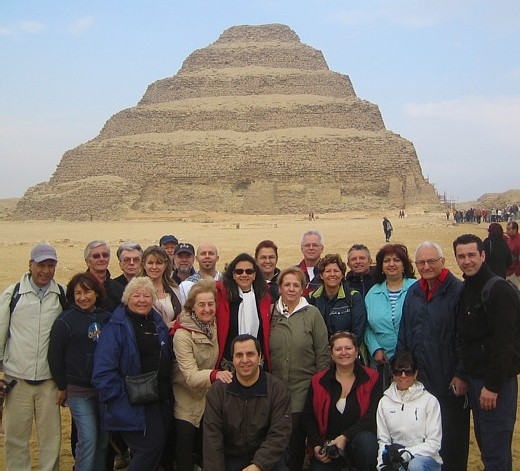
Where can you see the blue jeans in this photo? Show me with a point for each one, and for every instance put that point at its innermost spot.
(423, 463)
(92, 442)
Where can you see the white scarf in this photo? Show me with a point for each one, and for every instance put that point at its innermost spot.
(248, 321)
(282, 308)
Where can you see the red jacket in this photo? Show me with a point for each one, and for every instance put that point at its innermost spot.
(321, 398)
(222, 318)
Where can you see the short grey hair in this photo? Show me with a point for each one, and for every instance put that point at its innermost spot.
(313, 233)
(359, 247)
(92, 245)
(139, 282)
(128, 246)
(428, 244)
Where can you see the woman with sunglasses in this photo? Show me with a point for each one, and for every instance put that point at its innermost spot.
(409, 419)
(243, 306)
(340, 410)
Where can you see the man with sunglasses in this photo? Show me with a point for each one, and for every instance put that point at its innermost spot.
(428, 329)
(129, 255)
(97, 258)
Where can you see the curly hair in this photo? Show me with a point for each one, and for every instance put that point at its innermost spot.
(401, 252)
(329, 259)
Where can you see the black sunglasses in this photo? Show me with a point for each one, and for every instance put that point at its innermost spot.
(239, 271)
(400, 371)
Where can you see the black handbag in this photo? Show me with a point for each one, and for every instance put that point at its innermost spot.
(144, 388)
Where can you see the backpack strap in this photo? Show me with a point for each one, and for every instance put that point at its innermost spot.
(14, 299)
(484, 295)
(62, 297)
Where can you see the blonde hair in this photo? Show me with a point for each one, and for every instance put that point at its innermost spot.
(139, 282)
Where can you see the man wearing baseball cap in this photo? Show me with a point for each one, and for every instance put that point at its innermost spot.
(169, 242)
(183, 258)
(27, 312)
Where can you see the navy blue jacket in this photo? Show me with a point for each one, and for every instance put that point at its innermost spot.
(345, 312)
(429, 330)
(117, 356)
(74, 337)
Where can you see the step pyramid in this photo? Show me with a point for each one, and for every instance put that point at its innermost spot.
(254, 123)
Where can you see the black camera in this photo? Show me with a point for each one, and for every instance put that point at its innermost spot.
(332, 451)
(6, 387)
(393, 457)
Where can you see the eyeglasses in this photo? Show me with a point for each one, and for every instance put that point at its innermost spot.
(399, 371)
(99, 255)
(135, 260)
(430, 261)
(240, 271)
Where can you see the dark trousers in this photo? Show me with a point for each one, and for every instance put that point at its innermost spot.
(168, 456)
(147, 446)
(494, 428)
(238, 463)
(455, 432)
(116, 446)
(189, 442)
(296, 444)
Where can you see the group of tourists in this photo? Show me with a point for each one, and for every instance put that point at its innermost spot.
(261, 368)
(477, 215)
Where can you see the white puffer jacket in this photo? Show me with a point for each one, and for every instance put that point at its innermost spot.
(411, 418)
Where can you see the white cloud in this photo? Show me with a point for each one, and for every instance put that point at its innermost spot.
(81, 25)
(467, 146)
(31, 27)
(5, 31)
(24, 27)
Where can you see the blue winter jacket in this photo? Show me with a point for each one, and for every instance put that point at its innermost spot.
(347, 310)
(428, 329)
(117, 356)
(381, 331)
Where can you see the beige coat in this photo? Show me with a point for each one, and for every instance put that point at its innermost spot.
(196, 356)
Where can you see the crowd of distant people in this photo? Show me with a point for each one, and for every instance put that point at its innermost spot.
(476, 215)
(330, 364)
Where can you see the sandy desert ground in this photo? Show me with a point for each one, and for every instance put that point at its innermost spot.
(232, 234)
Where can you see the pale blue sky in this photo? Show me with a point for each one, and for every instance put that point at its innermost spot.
(445, 74)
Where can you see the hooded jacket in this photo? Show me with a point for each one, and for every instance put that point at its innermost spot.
(299, 349)
(411, 418)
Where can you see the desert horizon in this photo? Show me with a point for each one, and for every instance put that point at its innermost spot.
(232, 234)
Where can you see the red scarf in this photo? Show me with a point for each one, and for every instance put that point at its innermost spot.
(429, 292)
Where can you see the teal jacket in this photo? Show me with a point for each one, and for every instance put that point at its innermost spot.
(381, 331)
